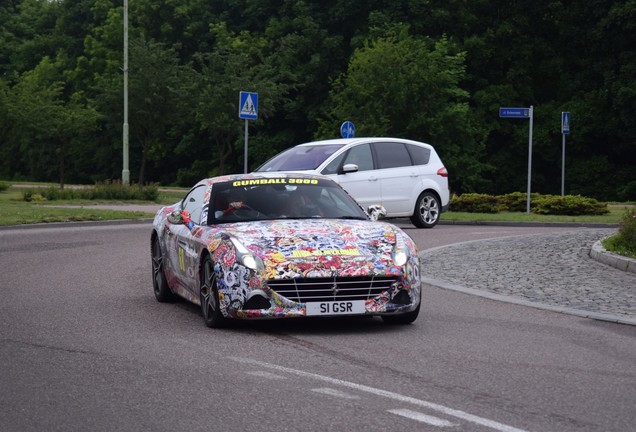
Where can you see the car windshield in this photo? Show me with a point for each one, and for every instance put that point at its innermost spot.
(300, 158)
(280, 198)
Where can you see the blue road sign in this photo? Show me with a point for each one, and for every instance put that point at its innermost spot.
(347, 130)
(565, 123)
(514, 112)
(248, 105)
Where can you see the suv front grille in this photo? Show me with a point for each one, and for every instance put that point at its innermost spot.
(331, 289)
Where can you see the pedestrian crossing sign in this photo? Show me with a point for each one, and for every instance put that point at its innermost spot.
(248, 105)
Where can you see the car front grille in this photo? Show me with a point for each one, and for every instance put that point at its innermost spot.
(331, 289)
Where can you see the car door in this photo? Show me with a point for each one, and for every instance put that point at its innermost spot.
(182, 243)
(363, 184)
(397, 178)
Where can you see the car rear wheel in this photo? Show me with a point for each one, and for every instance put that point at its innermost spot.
(209, 296)
(159, 282)
(402, 319)
(427, 211)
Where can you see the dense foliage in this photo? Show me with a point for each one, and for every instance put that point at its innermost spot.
(569, 205)
(624, 241)
(431, 70)
(101, 191)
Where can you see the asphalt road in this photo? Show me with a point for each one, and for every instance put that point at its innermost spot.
(85, 346)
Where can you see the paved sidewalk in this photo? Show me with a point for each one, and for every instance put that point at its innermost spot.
(550, 271)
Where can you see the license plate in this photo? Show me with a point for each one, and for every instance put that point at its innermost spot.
(336, 308)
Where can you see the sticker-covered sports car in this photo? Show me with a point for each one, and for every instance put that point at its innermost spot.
(259, 246)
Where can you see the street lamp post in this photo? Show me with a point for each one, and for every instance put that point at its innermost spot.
(125, 173)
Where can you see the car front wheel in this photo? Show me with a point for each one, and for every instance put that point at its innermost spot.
(427, 211)
(209, 296)
(402, 319)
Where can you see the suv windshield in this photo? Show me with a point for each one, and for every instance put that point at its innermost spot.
(300, 158)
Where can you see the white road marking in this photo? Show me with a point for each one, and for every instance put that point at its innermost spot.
(265, 374)
(414, 415)
(334, 392)
(387, 394)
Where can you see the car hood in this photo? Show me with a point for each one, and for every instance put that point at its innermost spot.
(321, 248)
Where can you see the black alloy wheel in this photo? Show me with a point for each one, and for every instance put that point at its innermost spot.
(209, 296)
(160, 286)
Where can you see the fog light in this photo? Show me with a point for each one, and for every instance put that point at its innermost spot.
(402, 298)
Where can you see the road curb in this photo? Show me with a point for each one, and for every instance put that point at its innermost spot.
(515, 300)
(602, 255)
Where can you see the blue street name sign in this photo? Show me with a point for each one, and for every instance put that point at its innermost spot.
(248, 105)
(565, 123)
(347, 130)
(514, 112)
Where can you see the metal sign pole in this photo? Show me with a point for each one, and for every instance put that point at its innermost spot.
(529, 160)
(563, 167)
(245, 158)
(565, 129)
(248, 110)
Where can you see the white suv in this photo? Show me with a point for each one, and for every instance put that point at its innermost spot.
(406, 177)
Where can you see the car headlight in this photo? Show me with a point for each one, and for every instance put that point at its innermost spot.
(245, 256)
(400, 258)
(400, 255)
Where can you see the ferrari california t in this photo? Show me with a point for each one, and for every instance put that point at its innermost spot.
(259, 246)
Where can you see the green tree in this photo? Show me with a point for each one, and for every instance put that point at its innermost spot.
(410, 87)
(237, 63)
(44, 128)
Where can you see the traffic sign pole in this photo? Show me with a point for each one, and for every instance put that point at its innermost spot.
(565, 129)
(563, 167)
(529, 114)
(245, 158)
(248, 110)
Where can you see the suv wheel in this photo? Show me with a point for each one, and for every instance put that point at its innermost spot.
(427, 210)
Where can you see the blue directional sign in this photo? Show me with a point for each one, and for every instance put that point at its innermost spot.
(347, 130)
(514, 112)
(248, 105)
(565, 123)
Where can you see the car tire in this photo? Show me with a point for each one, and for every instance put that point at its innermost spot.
(427, 210)
(402, 319)
(160, 286)
(209, 296)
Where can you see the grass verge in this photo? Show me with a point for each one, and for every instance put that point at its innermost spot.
(15, 211)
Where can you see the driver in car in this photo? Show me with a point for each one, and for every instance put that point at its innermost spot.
(235, 201)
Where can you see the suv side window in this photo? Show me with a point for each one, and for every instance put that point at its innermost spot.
(419, 154)
(332, 167)
(391, 155)
(361, 156)
(193, 203)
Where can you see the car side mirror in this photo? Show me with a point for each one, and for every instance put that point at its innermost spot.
(376, 212)
(349, 168)
(175, 217)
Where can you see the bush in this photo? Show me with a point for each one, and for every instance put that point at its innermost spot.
(624, 242)
(476, 203)
(568, 205)
(4, 186)
(101, 191)
(517, 201)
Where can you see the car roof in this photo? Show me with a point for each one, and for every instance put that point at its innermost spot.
(348, 141)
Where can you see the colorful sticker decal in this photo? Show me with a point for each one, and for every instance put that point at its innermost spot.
(287, 250)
